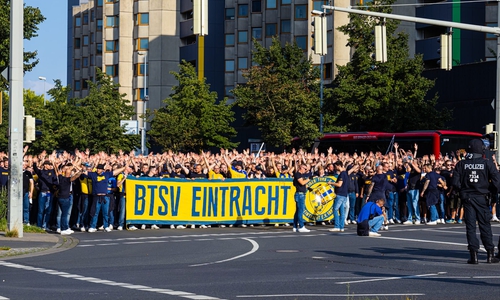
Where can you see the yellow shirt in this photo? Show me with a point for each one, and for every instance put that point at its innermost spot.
(86, 186)
(213, 175)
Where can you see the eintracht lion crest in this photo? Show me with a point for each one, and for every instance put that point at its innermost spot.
(319, 199)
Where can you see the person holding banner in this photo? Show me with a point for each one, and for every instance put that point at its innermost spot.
(101, 198)
(300, 179)
(237, 170)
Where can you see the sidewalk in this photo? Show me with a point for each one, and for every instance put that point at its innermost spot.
(34, 244)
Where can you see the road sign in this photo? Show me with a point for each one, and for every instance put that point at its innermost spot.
(5, 73)
(131, 126)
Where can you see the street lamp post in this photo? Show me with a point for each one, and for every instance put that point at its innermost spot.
(44, 80)
(144, 104)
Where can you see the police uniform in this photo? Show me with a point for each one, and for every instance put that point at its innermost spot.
(472, 177)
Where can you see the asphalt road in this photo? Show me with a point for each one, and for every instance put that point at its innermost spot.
(406, 262)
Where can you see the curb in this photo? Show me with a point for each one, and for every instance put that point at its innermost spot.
(63, 243)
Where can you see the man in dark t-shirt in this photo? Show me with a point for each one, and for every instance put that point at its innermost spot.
(28, 188)
(300, 179)
(413, 193)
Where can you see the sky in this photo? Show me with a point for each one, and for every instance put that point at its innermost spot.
(51, 44)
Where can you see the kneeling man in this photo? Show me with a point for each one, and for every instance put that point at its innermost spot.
(371, 218)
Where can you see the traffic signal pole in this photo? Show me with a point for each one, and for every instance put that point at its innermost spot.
(485, 29)
(16, 111)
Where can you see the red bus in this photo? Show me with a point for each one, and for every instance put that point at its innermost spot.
(437, 142)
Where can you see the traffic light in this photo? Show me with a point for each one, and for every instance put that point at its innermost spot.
(319, 35)
(490, 137)
(200, 17)
(445, 51)
(30, 131)
(380, 43)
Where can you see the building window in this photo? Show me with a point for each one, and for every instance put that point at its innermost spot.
(92, 60)
(285, 26)
(300, 12)
(270, 30)
(242, 63)
(242, 37)
(77, 64)
(491, 36)
(85, 62)
(229, 13)
(112, 21)
(271, 4)
(139, 94)
(142, 19)
(77, 43)
(243, 10)
(99, 2)
(301, 42)
(92, 15)
(327, 74)
(112, 1)
(229, 91)
(286, 2)
(229, 65)
(98, 48)
(78, 21)
(257, 33)
(317, 5)
(92, 38)
(112, 70)
(85, 19)
(143, 44)
(99, 24)
(77, 85)
(257, 6)
(139, 69)
(111, 46)
(85, 40)
(230, 39)
(85, 85)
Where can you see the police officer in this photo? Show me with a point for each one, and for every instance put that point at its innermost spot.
(472, 178)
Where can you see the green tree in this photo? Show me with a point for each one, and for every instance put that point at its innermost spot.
(92, 122)
(99, 115)
(281, 96)
(390, 96)
(4, 127)
(32, 18)
(192, 120)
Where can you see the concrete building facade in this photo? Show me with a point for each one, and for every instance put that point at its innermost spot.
(133, 41)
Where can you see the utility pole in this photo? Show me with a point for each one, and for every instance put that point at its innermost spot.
(486, 29)
(16, 111)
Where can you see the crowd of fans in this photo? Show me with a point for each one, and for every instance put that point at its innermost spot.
(75, 191)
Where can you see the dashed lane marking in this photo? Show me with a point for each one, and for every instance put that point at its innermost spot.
(144, 288)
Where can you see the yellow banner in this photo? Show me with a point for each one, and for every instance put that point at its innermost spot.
(232, 201)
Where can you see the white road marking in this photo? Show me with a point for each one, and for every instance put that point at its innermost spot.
(254, 249)
(427, 241)
(390, 278)
(195, 237)
(182, 294)
(186, 236)
(347, 296)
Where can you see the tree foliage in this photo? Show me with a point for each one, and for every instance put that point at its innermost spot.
(192, 119)
(92, 122)
(390, 96)
(281, 95)
(32, 18)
